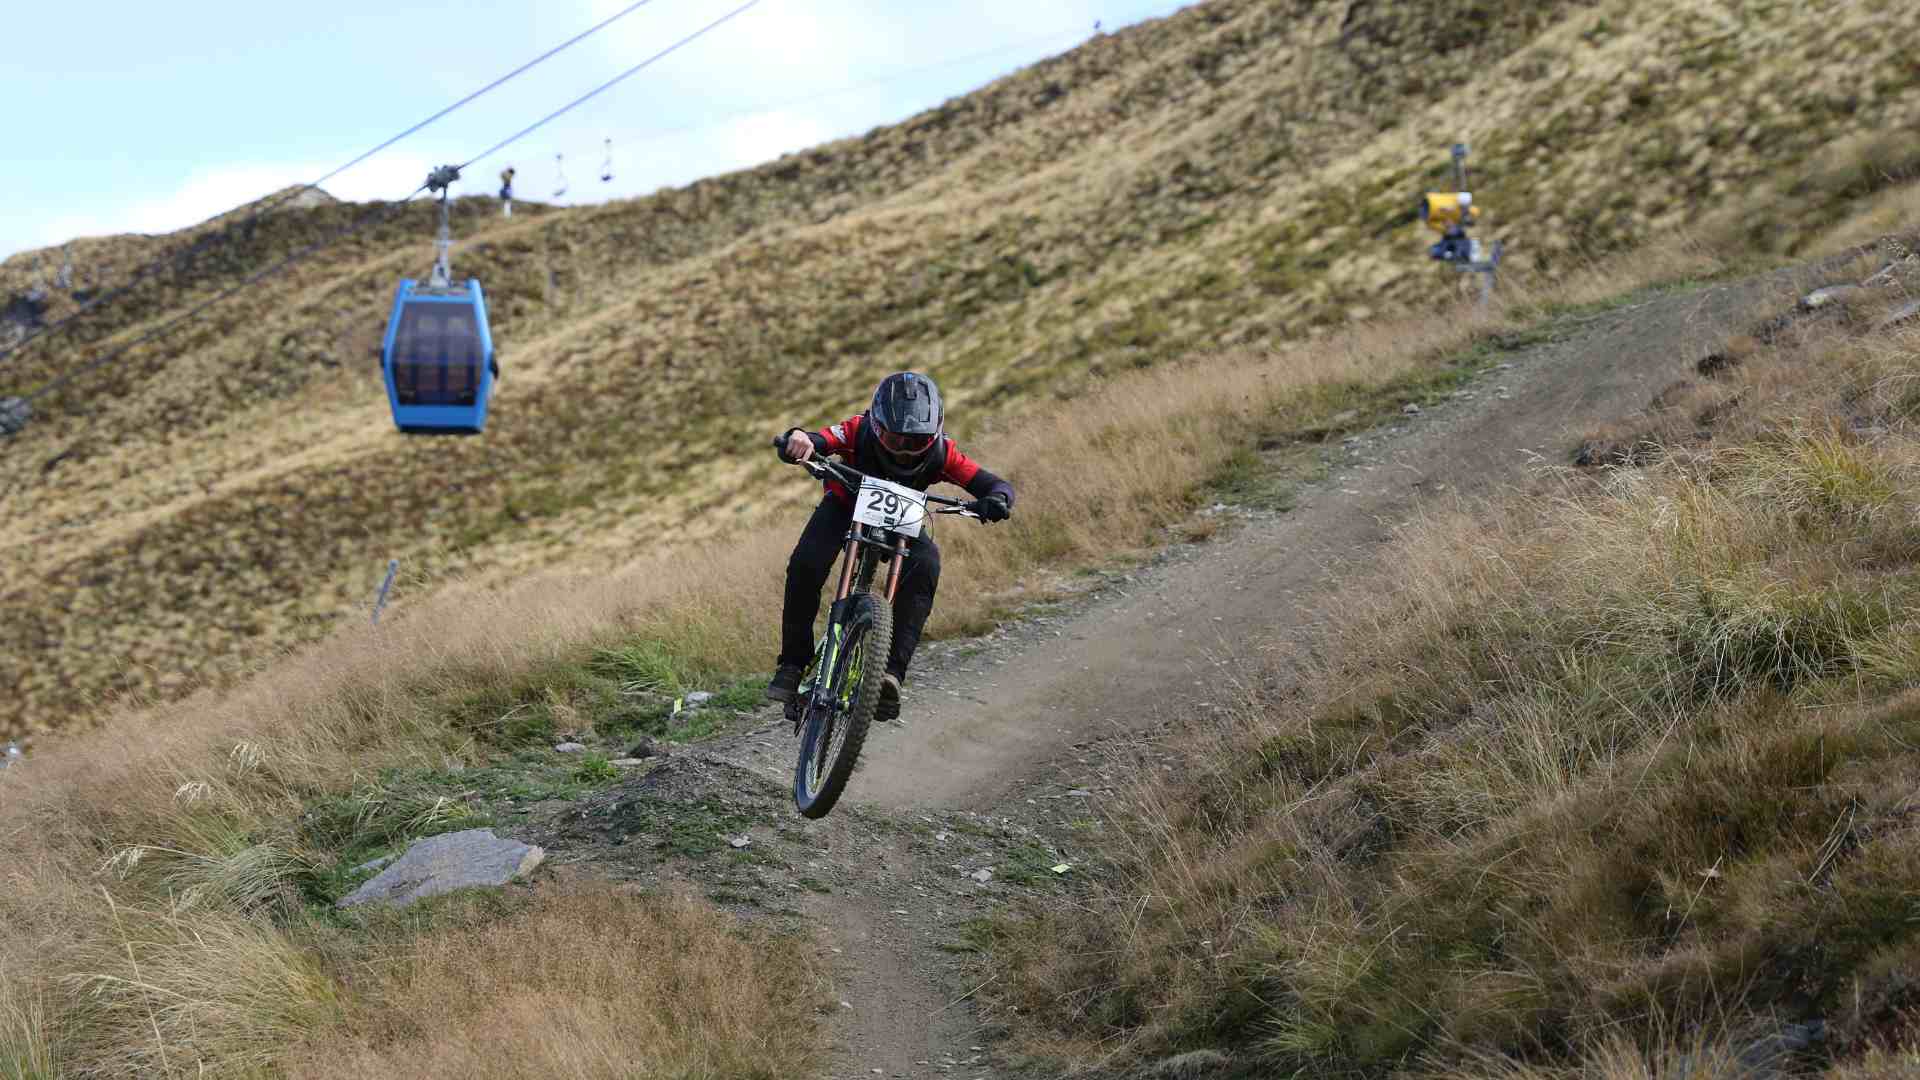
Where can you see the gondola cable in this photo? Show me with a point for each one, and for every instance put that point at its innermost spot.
(609, 84)
(898, 75)
(380, 212)
(437, 358)
(768, 108)
(199, 246)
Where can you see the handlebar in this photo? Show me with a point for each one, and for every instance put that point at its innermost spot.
(827, 468)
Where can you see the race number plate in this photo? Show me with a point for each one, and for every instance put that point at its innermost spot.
(890, 506)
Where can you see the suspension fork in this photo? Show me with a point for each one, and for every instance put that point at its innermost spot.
(848, 558)
(893, 566)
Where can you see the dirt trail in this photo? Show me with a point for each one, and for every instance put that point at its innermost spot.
(996, 729)
(978, 731)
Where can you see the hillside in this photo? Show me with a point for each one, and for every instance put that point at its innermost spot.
(1238, 174)
(1447, 831)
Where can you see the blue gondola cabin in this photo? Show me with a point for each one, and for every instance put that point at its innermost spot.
(438, 359)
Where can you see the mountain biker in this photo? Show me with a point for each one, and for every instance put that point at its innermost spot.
(901, 437)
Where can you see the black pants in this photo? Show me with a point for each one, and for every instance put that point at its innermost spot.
(812, 561)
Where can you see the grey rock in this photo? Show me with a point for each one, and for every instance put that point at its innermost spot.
(374, 864)
(1410, 409)
(698, 698)
(626, 762)
(982, 875)
(570, 748)
(14, 414)
(1832, 294)
(474, 858)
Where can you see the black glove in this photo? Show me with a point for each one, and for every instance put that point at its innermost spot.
(993, 508)
(780, 445)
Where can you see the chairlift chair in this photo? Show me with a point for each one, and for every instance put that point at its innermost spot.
(606, 164)
(438, 357)
(561, 169)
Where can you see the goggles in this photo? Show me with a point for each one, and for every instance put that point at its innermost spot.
(906, 444)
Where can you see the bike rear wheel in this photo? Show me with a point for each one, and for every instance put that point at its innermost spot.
(836, 722)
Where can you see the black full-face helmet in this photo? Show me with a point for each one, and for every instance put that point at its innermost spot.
(907, 416)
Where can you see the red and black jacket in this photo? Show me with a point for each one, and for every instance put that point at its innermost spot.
(855, 443)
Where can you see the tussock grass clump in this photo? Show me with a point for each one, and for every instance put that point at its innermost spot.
(583, 982)
(1612, 780)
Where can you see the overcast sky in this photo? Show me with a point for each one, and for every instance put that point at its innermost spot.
(130, 116)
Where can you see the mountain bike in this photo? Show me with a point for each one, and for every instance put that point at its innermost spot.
(840, 688)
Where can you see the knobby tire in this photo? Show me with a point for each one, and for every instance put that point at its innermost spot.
(868, 642)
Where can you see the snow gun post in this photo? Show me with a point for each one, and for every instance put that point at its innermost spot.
(1452, 214)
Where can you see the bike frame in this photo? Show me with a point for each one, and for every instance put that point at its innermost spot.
(860, 556)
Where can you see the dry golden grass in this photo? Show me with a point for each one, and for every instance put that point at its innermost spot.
(158, 868)
(581, 982)
(1594, 771)
(209, 810)
(1237, 175)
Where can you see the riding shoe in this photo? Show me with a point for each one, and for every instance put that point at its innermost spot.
(786, 682)
(889, 707)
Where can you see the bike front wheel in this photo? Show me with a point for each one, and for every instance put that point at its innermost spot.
(838, 715)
